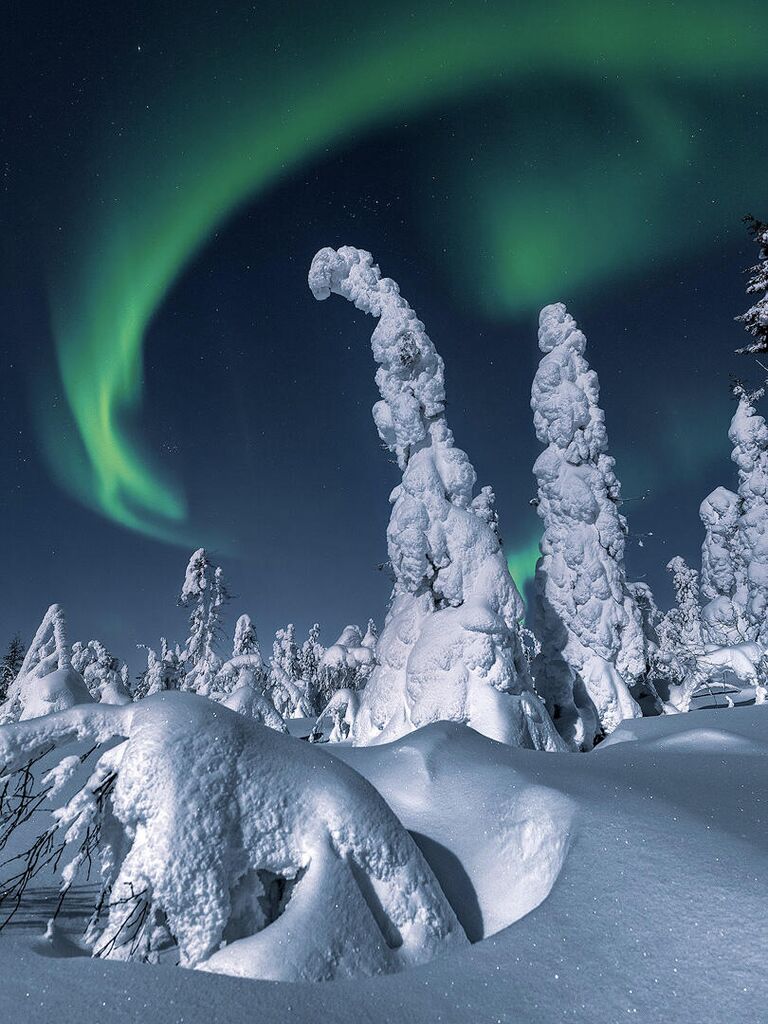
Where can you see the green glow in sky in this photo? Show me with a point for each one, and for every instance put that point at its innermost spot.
(194, 145)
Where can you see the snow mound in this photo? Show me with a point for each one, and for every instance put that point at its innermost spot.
(260, 855)
(494, 837)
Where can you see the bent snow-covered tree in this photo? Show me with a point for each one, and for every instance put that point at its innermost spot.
(253, 853)
(588, 622)
(755, 320)
(450, 647)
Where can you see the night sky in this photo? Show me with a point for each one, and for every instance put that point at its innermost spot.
(167, 379)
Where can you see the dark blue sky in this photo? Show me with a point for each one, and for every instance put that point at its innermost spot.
(257, 399)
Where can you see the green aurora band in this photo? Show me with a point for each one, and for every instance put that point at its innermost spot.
(198, 144)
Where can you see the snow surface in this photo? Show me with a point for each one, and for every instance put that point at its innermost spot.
(652, 850)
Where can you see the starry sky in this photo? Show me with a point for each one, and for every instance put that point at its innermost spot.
(168, 381)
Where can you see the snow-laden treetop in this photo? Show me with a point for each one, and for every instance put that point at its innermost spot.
(411, 375)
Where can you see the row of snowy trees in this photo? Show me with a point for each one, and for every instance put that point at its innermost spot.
(298, 680)
(453, 644)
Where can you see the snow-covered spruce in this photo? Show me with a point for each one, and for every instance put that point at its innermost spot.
(450, 647)
(588, 622)
(723, 577)
(256, 854)
(755, 320)
(46, 681)
(749, 436)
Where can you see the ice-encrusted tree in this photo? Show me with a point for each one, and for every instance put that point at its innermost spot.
(723, 579)
(755, 320)
(46, 681)
(450, 647)
(588, 622)
(749, 436)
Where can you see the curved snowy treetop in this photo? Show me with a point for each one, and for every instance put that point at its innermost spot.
(410, 375)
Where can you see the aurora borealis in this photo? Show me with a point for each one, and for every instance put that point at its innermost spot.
(528, 152)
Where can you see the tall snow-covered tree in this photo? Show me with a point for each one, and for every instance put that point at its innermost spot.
(755, 320)
(450, 647)
(749, 436)
(11, 663)
(723, 578)
(588, 622)
(205, 593)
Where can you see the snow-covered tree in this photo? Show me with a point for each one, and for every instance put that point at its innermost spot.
(755, 320)
(245, 640)
(310, 657)
(11, 663)
(680, 643)
(205, 593)
(244, 670)
(749, 436)
(46, 681)
(161, 673)
(588, 622)
(101, 671)
(450, 647)
(723, 577)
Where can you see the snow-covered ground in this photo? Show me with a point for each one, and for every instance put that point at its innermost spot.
(630, 883)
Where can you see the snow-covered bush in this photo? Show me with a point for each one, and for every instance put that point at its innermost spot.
(254, 853)
(723, 576)
(46, 682)
(755, 320)
(587, 620)
(450, 647)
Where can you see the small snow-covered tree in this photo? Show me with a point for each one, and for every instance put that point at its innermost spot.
(11, 663)
(587, 619)
(680, 643)
(244, 670)
(749, 436)
(101, 671)
(450, 647)
(755, 320)
(245, 640)
(310, 657)
(723, 579)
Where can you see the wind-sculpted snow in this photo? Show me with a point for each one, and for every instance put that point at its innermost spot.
(450, 647)
(590, 628)
(256, 854)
